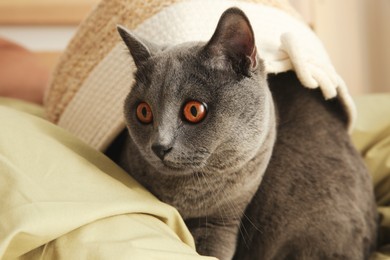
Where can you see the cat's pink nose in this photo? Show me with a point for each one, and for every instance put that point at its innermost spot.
(161, 150)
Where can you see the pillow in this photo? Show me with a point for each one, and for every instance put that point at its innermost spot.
(61, 199)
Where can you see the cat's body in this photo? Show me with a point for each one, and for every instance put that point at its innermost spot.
(316, 198)
(201, 127)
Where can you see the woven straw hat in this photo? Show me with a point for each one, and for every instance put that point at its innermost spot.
(95, 73)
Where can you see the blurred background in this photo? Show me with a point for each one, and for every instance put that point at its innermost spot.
(356, 33)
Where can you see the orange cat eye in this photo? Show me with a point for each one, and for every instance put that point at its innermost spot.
(194, 111)
(144, 113)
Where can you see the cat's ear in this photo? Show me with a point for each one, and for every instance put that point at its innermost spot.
(138, 49)
(233, 41)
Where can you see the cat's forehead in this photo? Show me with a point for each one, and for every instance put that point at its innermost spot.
(173, 74)
(177, 57)
(180, 73)
(183, 49)
(177, 64)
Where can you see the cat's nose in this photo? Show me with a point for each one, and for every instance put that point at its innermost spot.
(161, 150)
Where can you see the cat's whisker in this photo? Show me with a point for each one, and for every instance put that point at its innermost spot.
(240, 212)
(204, 205)
(223, 209)
(243, 215)
(234, 209)
(253, 224)
(209, 186)
(199, 183)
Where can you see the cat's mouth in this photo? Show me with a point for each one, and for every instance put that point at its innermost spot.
(181, 164)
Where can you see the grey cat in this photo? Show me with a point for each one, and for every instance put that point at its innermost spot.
(201, 128)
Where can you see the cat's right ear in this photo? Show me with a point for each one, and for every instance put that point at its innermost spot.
(233, 42)
(138, 50)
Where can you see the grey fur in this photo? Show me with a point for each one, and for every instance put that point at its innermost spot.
(214, 167)
(316, 199)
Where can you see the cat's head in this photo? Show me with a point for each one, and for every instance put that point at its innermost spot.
(199, 106)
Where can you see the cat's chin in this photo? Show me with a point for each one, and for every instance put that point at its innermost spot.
(169, 168)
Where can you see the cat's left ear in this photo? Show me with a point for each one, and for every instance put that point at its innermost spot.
(233, 41)
(138, 49)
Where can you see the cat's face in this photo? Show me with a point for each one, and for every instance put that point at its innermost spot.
(199, 107)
